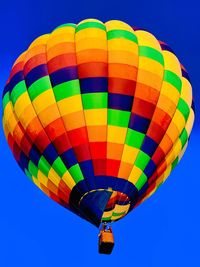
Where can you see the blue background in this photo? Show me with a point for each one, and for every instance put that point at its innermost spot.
(165, 230)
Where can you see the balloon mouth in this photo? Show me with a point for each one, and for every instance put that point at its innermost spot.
(109, 200)
(104, 205)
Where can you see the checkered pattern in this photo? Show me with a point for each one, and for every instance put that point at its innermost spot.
(98, 102)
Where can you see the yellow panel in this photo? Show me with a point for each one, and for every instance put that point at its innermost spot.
(116, 134)
(43, 100)
(27, 115)
(48, 115)
(89, 20)
(91, 33)
(179, 120)
(135, 175)
(8, 111)
(186, 92)
(22, 103)
(123, 45)
(67, 31)
(151, 65)
(60, 38)
(172, 63)
(119, 25)
(190, 122)
(123, 57)
(40, 40)
(121, 208)
(170, 91)
(70, 104)
(129, 154)
(147, 39)
(67, 178)
(90, 43)
(54, 177)
(96, 116)
(42, 178)
(12, 122)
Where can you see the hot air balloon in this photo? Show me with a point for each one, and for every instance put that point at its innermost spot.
(97, 115)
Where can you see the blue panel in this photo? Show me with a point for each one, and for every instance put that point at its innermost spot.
(150, 168)
(18, 77)
(94, 84)
(139, 123)
(23, 161)
(143, 189)
(88, 173)
(64, 75)
(34, 155)
(69, 158)
(35, 74)
(50, 154)
(121, 102)
(149, 146)
(93, 205)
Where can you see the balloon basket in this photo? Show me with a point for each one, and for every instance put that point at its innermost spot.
(106, 240)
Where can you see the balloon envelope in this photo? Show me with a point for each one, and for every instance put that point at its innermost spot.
(97, 116)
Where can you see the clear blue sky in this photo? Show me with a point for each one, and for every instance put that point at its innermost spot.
(165, 230)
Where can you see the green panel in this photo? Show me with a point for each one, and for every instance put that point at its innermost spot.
(33, 169)
(90, 24)
(184, 109)
(6, 99)
(18, 90)
(134, 138)
(118, 117)
(59, 167)
(28, 174)
(104, 219)
(38, 87)
(94, 100)
(122, 34)
(142, 160)
(66, 25)
(146, 51)
(141, 181)
(76, 173)
(44, 166)
(183, 137)
(173, 79)
(174, 163)
(118, 213)
(66, 89)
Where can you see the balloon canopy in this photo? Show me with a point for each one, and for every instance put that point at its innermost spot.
(97, 115)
